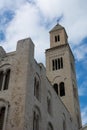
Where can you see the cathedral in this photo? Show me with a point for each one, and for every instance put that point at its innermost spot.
(33, 97)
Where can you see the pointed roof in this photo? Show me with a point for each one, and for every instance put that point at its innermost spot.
(57, 27)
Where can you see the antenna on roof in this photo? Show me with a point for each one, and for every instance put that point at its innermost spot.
(58, 21)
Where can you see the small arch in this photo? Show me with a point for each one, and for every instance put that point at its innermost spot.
(6, 65)
(62, 89)
(56, 78)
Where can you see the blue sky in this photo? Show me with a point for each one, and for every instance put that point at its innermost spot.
(34, 18)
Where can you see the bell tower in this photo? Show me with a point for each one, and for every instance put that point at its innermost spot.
(60, 70)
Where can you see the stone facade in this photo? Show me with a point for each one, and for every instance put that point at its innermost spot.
(60, 67)
(28, 100)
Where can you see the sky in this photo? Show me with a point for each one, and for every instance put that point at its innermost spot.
(35, 18)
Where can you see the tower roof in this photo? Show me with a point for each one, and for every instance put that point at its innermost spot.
(57, 27)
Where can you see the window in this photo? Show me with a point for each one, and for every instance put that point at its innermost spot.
(57, 38)
(57, 64)
(37, 87)
(53, 65)
(3, 113)
(4, 79)
(1, 79)
(2, 116)
(55, 86)
(62, 89)
(7, 77)
(61, 62)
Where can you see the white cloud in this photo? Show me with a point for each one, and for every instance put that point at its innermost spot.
(80, 51)
(84, 115)
(27, 23)
(6, 4)
(28, 17)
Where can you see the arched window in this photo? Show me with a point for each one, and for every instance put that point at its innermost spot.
(62, 89)
(1, 79)
(7, 77)
(55, 86)
(4, 79)
(49, 103)
(37, 87)
(50, 127)
(36, 120)
(3, 113)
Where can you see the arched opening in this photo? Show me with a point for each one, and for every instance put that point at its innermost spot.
(62, 89)
(1, 79)
(55, 86)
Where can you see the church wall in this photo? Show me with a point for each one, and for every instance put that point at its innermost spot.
(20, 95)
(59, 112)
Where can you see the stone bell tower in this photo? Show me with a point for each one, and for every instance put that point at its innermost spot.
(60, 69)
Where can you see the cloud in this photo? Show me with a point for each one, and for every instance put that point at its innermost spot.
(26, 23)
(33, 18)
(84, 115)
(80, 52)
(9, 4)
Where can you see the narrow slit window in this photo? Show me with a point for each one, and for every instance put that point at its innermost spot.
(7, 77)
(58, 38)
(61, 59)
(55, 38)
(53, 65)
(55, 86)
(62, 89)
(1, 79)
(2, 116)
(56, 64)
